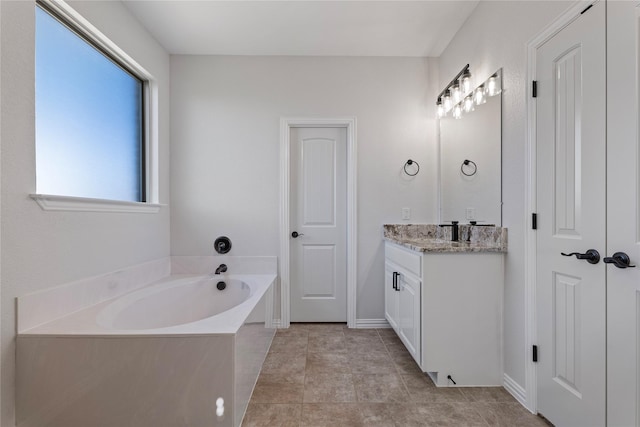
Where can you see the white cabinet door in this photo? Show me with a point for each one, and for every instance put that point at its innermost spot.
(390, 297)
(409, 312)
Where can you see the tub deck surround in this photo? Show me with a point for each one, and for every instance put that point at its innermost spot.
(87, 322)
(58, 301)
(71, 309)
(88, 368)
(432, 238)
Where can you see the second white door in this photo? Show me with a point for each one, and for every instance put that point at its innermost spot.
(571, 197)
(318, 234)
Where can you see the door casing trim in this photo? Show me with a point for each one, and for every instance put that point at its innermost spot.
(286, 123)
(530, 243)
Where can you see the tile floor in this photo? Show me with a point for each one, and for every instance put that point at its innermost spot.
(323, 374)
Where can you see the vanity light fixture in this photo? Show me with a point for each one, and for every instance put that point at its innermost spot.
(457, 111)
(468, 104)
(466, 81)
(440, 108)
(455, 92)
(447, 103)
(478, 95)
(493, 85)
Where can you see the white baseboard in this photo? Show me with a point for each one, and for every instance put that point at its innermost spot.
(372, 323)
(516, 390)
(360, 323)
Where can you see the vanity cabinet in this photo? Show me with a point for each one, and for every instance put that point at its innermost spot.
(402, 306)
(446, 307)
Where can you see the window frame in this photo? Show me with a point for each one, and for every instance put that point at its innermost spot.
(149, 190)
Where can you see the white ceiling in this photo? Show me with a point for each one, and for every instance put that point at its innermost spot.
(317, 28)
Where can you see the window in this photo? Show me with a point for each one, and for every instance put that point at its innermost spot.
(89, 117)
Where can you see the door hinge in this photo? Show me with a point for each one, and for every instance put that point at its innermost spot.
(534, 221)
(534, 89)
(534, 353)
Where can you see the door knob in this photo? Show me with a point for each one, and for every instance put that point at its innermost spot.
(295, 234)
(619, 259)
(592, 256)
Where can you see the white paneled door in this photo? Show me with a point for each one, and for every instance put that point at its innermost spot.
(571, 200)
(623, 230)
(318, 234)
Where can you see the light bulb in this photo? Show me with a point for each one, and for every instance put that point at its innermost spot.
(478, 95)
(492, 86)
(466, 82)
(446, 102)
(440, 108)
(456, 94)
(457, 111)
(468, 104)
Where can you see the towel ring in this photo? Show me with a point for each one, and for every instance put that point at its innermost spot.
(467, 163)
(409, 163)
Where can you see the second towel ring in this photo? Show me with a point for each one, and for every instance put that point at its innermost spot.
(409, 163)
(467, 163)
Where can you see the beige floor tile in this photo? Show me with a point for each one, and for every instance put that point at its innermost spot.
(422, 389)
(365, 346)
(391, 339)
(405, 364)
(353, 338)
(487, 394)
(326, 343)
(284, 363)
(361, 332)
(371, 363)
(277, 393)
(331, 415)
(326, 328)
(386, 332)
(380, 388)
(411, 415)
(454, 415)
(289, 344)
(502, 414)
(328, 362)
(380, 414)
(268, 415)
(294, 329)
(325, 388)
(328, 375)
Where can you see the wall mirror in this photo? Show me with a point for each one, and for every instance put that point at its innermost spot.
(471, 155)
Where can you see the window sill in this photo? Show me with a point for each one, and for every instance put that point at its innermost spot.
(50, 202)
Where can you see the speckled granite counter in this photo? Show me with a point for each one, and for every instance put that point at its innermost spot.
(432, 238)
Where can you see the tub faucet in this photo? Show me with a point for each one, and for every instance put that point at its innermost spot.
(221, 268)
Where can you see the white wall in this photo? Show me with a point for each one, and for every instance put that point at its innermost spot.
(225, 114)
(42, 249)
(495, 36)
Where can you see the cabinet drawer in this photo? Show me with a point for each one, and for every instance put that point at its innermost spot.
(410, 261)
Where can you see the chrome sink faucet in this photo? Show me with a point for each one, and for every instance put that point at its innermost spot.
(221, 268)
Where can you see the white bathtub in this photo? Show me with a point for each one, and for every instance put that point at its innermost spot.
(174, 303)
(158, 356)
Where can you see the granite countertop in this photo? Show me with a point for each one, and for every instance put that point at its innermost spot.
(431, 238)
